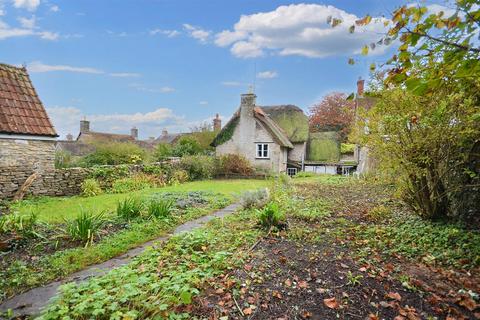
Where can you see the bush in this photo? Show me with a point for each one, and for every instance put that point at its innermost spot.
(254, 199)
(90, 188)
(160, 208)
(106, 175)
(178, 177)
(271, 217)
(85, 227)
(114, 153)
(234, 164)
(129, 208)
(198, 167)
(136, 182)
(186, 146)
(162, 151)
(23, 225)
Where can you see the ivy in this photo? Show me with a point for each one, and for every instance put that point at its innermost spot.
(226, 133)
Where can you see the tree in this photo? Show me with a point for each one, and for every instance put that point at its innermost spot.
(430, 133)
(186, 146)
(333, 113)
(162, 151)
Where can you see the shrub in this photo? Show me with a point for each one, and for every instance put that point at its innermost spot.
(129, 208)
(379, 213)
(198, 167)
(160, 208)
(106, 175)
(347, 148)
(114, 153)
(179, 176)
(271, 217)
(23, 225)
(136, 182)
(162, 151)
(85, 227)
(234, 164)
(186, 146)
(305, 174)
(254, 199)
(90, 188)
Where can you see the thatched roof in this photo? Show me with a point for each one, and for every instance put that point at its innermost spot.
(323, 147)
(291, 119)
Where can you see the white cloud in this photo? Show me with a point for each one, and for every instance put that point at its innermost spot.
(27, 23)
(125, 75)
(38, 67)
(197, 33)
(144, 88)
(66, 120)
(54, 8)
(232, 84)
(168, 33)
(269, 74)
(28, 28)
(30, 5)
(299, 29)
(203, 103)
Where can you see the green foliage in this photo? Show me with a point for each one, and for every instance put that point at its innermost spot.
(313, 211)
(90, 188)
(204, 136)
(114, 153)
(63, 159)
(254, 199)
(198, 167)
(21, 224)
(379, 213)
(162, 151)
(434, 241)
(85, 227)
(108, 174)
(353, 280)
(156, 283)
(178, 177)
(186, 146)
(160, 208)
(271, 216)
(305, 174)
(234, 164)
(227, 132)
(346, 148)
(129, 208)
(133, 183)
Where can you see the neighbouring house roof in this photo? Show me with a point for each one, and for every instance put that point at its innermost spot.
(276, 131)
(92, 136)
(21, 111)
(291, 119)
(170, 138)
(323, 147)
(75, 148)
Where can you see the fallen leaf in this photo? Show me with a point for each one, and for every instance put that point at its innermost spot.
(303, 284)
(305, 314)
(288, 283)
(394, 296)
(248, 267)
(468, 303)
(247, 311)
(331, 303)
(371, 316)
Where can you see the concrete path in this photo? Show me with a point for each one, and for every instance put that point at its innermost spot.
(31, 302)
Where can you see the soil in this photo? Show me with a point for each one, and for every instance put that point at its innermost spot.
(288, 278)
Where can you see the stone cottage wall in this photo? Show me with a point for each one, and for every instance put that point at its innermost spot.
(31, 155)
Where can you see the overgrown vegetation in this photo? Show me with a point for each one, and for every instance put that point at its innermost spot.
(160, 208)
(85, 227)
(130, 208)
(113, 153)
(234, 164)
(90, 188)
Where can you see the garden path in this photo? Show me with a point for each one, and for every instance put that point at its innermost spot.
(31, 302)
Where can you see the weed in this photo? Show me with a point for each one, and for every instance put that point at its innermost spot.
(353, 280)
(23, 225)
(129, 208)
(134, 183)
(91, 187)
(379, 213)
(85, 227)
(160, 208)
(271, 217)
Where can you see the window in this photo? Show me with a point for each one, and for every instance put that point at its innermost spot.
(291, 171)
(262, 150)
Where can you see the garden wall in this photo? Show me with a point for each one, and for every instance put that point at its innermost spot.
(54, 182)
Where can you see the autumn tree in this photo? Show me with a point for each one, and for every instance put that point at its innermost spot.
(333, 113)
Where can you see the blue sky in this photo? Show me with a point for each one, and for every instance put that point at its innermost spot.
(174, 64)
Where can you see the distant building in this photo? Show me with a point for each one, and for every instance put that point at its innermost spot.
(27, 136)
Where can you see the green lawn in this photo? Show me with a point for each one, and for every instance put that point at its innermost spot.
(56, 209)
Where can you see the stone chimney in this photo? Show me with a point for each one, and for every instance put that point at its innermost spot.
(84, 126)
(360, 87)
(134, 133)
(217, 123)
(69, 137)
(247, 103)
(164, 133)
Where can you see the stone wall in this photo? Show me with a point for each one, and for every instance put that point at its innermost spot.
(32, 155)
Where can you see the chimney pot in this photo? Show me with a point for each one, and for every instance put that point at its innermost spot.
(360, 87)
(134, 133)
(164, 133)
(84, 126)
(217, 123)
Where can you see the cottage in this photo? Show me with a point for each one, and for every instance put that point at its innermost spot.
(27, 136)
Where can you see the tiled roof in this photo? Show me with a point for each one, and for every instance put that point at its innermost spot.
(21, 111)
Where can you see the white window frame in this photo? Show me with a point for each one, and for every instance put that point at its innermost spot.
(262, 151)
(292, 171)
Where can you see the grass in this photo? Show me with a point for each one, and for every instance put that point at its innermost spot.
(56, 209)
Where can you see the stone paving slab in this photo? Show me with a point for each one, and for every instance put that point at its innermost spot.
(32, 301)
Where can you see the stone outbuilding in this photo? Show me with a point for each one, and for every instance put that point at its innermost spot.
(27, 136)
